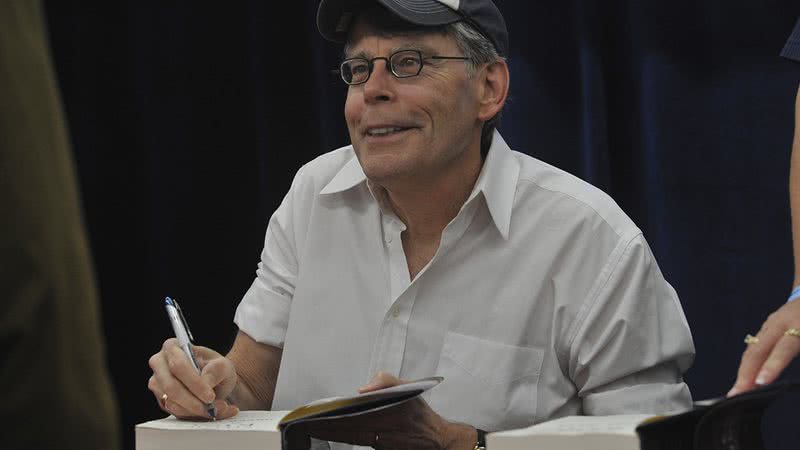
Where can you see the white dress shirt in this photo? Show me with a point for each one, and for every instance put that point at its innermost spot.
(543, 299)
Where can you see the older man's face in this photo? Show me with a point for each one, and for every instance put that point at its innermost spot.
(412, 129)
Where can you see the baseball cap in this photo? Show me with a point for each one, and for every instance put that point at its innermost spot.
(334, 17)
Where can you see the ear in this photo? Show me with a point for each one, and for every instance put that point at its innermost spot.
(494, 79)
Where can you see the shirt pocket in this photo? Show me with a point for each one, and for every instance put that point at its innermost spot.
(489, 385)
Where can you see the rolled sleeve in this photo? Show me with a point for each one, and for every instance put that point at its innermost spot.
(633, 343)
(263, 314)
(264, 310)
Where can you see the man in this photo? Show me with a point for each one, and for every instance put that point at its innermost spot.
(428, 247)
(778, 341)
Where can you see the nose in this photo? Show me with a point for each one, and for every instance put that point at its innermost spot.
(379, 86)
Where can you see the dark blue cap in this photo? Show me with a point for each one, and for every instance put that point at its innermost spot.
(334, 17)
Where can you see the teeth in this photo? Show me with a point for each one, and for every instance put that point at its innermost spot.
(381, 131)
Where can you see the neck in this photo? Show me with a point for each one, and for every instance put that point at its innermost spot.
(428, 204)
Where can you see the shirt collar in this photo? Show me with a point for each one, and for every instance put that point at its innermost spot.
(352, 175)
(348, 177)
(497, 182)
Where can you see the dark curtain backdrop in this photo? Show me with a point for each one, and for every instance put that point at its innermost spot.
(189, 119)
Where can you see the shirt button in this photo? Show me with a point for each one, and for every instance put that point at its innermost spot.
(396, 311)
(389, 238)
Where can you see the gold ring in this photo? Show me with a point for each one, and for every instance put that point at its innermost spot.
(164, 401)
(792, 332)
(750, 339)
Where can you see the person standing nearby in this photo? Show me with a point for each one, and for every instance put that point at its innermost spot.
(57, 391)
(778, 341)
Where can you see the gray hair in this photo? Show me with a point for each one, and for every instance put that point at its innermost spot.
(479, 50)
(474, 45)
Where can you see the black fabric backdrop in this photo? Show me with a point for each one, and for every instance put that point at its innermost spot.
(189, 119)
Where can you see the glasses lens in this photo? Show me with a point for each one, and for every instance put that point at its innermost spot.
(406, 63)
(355, 71)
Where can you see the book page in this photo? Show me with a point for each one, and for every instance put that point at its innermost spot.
(578, 425)
(244, 421)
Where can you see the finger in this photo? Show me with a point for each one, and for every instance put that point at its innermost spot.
(204, 355)
(164, 402)
(754, 357)
(154, 387)
(181, 400)
(379, 381)
(181, 367)
(225, 410)
(180, 412)
(159, 395)
(787, 348)
(220, 375)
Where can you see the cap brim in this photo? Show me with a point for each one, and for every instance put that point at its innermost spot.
(335, 17)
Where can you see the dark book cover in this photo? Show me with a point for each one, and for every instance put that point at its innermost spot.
(736, 423)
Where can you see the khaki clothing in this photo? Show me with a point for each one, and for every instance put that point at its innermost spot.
(57, 391)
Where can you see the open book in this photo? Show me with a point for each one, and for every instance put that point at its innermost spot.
(724, 423)
(267, 430)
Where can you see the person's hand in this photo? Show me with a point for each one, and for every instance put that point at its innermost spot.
(412, 424)
(772, 351)
(181, 391)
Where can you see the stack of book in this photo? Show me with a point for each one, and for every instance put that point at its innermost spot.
(724, 423)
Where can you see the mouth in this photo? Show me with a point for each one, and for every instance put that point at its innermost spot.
(385, 131)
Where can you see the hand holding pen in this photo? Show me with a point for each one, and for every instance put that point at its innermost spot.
(184, 337)
(187, 379)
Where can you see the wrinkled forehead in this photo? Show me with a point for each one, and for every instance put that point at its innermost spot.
(377, 21)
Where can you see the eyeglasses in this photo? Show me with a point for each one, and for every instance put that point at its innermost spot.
(402, 64)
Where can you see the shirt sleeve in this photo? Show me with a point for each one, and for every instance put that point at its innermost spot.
(792, 48)
(632, 343)
(264, 310)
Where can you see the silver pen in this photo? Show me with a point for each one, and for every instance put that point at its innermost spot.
(184, 337)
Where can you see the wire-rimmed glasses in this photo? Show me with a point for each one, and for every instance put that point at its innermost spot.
(402, 64)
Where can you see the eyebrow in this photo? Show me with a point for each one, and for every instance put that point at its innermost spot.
(425, 50)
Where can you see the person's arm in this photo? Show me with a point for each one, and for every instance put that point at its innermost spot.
(630, 345)
(794, 189)
(257, 367)
(764, 360)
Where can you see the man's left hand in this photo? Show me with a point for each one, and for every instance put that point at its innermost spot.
(412, 424)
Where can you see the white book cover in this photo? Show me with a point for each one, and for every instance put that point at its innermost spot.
(248, 430)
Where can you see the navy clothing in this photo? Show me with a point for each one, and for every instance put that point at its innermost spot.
(792, 48)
